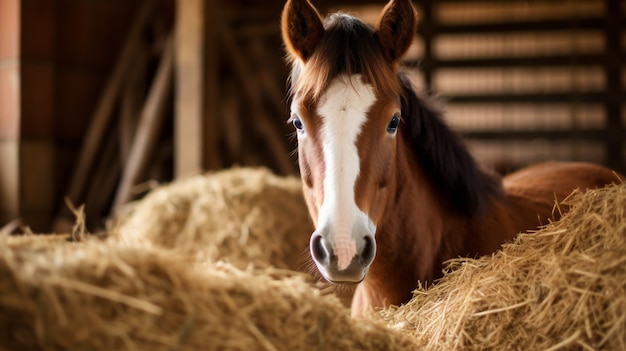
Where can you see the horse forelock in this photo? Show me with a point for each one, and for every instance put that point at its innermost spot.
(347, 47)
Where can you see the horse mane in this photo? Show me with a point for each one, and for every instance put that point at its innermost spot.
(443, 155)
(348, 47)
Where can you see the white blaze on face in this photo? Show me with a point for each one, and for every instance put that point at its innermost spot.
(343, 109)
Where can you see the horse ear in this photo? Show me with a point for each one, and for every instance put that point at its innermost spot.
(396, 28)
(301, 28)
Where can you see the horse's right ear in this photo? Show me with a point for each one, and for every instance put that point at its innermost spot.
(396, 28)
(301, 27)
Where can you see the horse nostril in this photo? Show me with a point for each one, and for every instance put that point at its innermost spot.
(369, 250)
(318, 250)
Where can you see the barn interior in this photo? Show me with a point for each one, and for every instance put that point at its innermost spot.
(102, 100)
(148, 140)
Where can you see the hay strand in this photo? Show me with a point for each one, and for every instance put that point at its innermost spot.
(79, 229)
(106, 294)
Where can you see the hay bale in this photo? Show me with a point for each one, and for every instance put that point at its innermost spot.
(563, 287)
(110, 296)
(240, 215)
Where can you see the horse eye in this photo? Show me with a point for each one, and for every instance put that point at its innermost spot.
(297, 123)
(392, 126)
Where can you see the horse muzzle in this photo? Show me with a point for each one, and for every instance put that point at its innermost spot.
(344, 261)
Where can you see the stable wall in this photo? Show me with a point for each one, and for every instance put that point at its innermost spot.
(54, 58)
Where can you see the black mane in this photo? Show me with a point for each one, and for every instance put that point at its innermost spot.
(443, 155)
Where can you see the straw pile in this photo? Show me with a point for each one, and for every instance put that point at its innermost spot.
(563, 287)
(240, 216)
(111, 296)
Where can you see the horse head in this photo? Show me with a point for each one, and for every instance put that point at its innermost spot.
(346, 111)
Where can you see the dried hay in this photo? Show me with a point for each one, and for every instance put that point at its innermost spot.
(30, 239)
(110, 296)
(563, 287)
(240, 215)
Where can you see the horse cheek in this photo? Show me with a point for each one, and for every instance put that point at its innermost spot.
(376, 191)
(311, 202)
(311, 173)
(385, 180)
(378, 206)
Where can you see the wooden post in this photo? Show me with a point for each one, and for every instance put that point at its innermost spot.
(213, 121)
(188, 105)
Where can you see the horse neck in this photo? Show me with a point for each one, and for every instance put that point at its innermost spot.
(411, 238)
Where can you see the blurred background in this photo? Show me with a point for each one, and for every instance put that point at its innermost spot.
(102, 100)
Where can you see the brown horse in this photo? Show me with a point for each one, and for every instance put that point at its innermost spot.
(393, 192)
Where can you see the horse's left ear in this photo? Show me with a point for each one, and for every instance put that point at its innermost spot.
(396, 28)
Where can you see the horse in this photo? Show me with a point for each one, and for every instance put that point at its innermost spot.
(392, 191)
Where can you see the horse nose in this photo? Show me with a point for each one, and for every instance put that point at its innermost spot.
(328, 262)
(320, 250)
(366, 255)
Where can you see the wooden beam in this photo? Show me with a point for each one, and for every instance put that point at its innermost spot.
(131, 104)
(517, 27)
(148, 128)
(189, 94)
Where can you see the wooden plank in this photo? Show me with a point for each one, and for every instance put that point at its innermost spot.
(189, 93)
(615, 93)
(526, 26)
(561, 97)
(597, 134)
(148, 128)
(102, 115)
(131, 104)
(523, 61)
